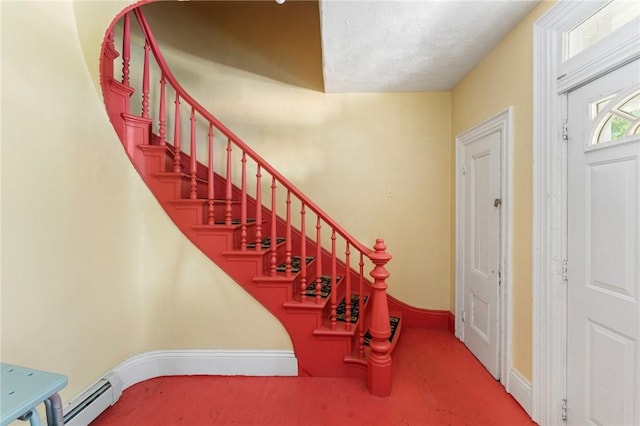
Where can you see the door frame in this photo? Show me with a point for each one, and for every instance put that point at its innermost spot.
(499, 122)
(553, 78)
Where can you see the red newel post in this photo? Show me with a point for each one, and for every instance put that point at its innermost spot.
(109, 54)
(379, 363)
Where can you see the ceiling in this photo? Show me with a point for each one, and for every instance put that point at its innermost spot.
(401, 45)
(337, 46)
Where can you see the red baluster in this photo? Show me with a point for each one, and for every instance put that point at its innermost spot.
(126, 50)
(210, 181)
(177, 160)
(361, 304)
(287, 252)
(227, 211)
(333, 280)
(273, 226)
(347, 255)
(163, 113)
(303, 253)
(145, 82)
(259, 209)
(243, 204)
(318, 260)
(379, 362)
(193, 186)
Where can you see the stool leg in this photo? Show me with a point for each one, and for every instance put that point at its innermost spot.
(32, 416)
(54, 410)
(47, 404)
(34, 420)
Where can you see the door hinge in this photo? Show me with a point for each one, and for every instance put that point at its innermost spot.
(564, 410)
(565, 271)
(565, 131)
(463, 316)
(499, 277)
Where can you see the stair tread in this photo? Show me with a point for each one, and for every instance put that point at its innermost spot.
(202, 200)
(235, 222)
(275, 289)
(265, 243)
(396, 326)
(325, 287)
(341, 308)
(180, 174)
(394, 322)
(341, 329)
(295, 264)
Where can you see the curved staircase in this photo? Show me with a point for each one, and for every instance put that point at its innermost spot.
(249, 219)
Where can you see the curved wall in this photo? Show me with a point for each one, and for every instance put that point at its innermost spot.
(346, 151)
(93, 270)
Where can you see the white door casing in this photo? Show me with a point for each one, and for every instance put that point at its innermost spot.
(553, 76)
(603, 315)
(482, 242)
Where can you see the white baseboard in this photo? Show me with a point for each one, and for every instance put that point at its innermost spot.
(520, 389)
(179, 363)
(206, 362)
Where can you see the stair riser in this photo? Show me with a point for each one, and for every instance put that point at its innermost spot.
(188, 214)
(154, 161)
(320, 351)
(179, 187)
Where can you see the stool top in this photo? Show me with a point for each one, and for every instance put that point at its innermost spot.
(22, 389)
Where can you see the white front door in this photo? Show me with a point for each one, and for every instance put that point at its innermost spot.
(603, 364)
(481, 247)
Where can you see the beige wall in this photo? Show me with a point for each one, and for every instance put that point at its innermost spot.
(342, 150)
(114, 277)
(93, 271)
(505, 78)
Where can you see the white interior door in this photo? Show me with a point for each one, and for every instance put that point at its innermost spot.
(603, 364)
(481, 248)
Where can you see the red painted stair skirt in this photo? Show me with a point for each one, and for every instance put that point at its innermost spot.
(249, 219)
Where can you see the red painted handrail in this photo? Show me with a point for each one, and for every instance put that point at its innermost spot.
(377, 319)
(237, 141)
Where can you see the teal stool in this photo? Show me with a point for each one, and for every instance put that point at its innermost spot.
(23, 389)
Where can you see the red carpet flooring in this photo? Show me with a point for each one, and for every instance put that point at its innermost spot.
(436, 382)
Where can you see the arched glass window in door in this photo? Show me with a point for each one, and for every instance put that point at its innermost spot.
(616, 117)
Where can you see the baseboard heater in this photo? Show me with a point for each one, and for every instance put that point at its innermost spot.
(92, 402)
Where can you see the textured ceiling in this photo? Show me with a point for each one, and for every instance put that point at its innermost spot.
(398, 46)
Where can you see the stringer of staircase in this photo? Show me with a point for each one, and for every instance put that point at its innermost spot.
(249, 219)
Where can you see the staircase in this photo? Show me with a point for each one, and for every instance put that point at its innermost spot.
(249, 219)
